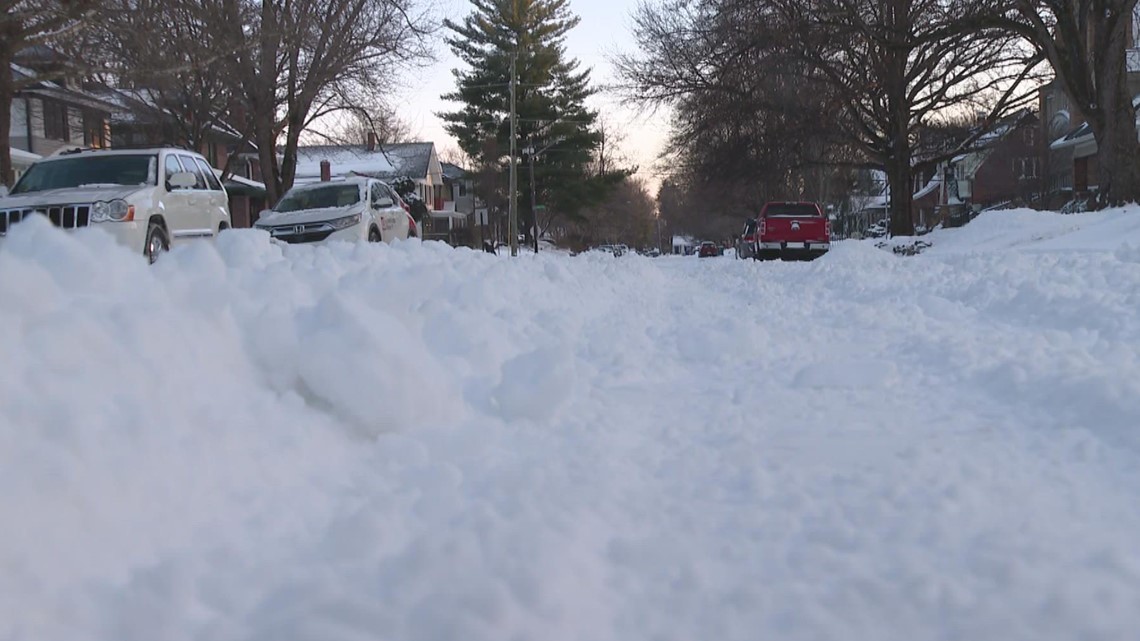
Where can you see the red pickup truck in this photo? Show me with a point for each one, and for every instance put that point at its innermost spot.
(792, 231)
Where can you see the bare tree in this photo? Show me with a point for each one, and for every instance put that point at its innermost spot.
(879, 69)
(1086, 43)
(24, 24)
(172, 61)
(897, 64)
(302, 56)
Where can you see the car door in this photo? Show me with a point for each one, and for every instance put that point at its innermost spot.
(177, 206)
(383, 208)
(218, 205)
(198, 222)
(397, 213)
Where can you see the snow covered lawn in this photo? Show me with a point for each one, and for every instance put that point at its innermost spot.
(419, 443)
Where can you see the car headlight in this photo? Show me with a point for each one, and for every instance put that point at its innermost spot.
(346, 222)
(117, 210)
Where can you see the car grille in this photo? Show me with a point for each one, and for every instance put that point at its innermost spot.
(66, 216)
(309, 233)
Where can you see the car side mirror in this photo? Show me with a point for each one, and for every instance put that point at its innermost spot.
(3, 191)
(182, 180)
(383, 201)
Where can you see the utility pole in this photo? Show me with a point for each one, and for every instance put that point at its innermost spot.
(514, 207)
(533, 199)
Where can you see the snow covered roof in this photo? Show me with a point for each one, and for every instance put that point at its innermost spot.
(452, 171)
(52, 89)
(933, 184)
(411, 159)
(343, 160)
(22, 158)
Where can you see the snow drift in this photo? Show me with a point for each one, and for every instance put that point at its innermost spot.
(412, 442)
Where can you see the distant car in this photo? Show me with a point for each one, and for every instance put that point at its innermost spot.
(708, 249)
(793, 231)
(148, 199)
(878, 230)
(354, 209)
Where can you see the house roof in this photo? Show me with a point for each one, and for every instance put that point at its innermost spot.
(22, 158)
(52, 89)
(452, 171)
(412, 159)
(140, 106)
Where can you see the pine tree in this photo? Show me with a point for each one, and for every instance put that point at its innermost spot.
(553, 121)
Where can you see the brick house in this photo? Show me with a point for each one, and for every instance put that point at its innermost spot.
(1004, 169)
(1068, 150)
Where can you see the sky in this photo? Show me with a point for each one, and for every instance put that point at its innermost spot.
(604, 30)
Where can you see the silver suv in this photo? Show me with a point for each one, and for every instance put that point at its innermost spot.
(148, 199)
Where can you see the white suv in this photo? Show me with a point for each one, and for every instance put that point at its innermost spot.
(354, 209)
(147, 199)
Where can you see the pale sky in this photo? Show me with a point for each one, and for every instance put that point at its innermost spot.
(604, 30)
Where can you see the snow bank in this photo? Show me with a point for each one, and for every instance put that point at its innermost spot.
(249, 441)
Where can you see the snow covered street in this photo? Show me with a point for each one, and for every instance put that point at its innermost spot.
(417, 443)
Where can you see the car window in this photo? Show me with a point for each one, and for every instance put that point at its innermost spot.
(172, 167)
(791, 209)
(67, 173)
(188, 163)
(211, 179)
(322, 197)
(377, 194)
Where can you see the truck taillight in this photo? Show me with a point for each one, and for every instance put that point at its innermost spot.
(763, 224)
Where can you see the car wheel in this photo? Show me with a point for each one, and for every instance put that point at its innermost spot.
(374, 235)
(156, 243)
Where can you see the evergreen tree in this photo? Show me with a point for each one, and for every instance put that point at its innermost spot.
(553, 121)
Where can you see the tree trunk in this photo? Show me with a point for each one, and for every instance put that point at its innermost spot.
(1118, 151)
(7, 93)
(899, 103)
(899, 177)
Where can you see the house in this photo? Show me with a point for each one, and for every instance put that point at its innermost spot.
(1003, 168)
(1069, 151)
(390, 162)
(49, 115)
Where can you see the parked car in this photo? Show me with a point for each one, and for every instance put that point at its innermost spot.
(148, 199)
(707, 249)
(354, 209)
(746, 244)
(793, 230)
(878, 230)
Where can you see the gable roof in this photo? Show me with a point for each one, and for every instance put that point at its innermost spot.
(36, 84)
(395, 160)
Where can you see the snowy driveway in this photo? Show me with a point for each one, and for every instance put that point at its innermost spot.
(417, 443)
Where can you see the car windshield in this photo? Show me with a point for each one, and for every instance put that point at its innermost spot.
(791, 209)
(67, 173)
(323, 197)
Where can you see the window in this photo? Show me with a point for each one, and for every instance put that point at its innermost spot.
(377, 194)
(1025, 167)
(188, 163)
(70, 172)
(172, 167)
(211, 179)
(94, 130)
(55, 121)
(322, 196)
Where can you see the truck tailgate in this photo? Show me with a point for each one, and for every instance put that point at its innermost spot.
(800, 229)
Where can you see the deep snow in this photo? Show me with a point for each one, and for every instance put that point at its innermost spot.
(420, 443)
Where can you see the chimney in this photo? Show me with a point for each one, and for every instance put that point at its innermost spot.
(326, 171)
(371, 141)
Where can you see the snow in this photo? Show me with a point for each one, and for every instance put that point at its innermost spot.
(343, 161)
(255, 441)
